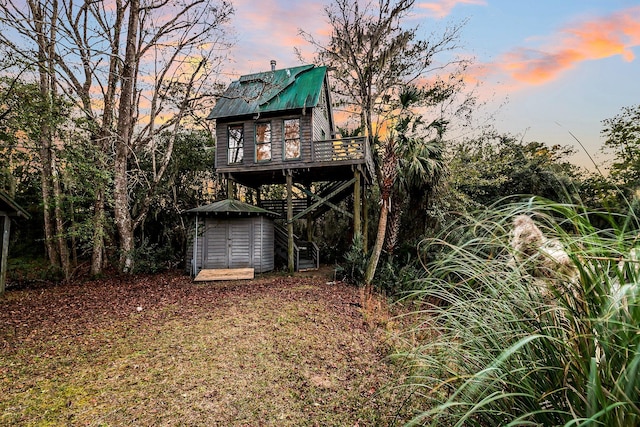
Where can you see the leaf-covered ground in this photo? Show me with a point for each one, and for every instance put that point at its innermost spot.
(162, 350)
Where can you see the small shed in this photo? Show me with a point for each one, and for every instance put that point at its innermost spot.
(230, 234)
(8, 209)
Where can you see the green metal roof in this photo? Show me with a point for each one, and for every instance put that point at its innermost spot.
(279, 90)
(232, 208)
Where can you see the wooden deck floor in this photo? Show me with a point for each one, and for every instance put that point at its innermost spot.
(224, 274)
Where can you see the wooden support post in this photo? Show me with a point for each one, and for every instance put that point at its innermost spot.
(357, 199)
(194, 262)
(290, 247)
(309, 217)
(229, 188)
(6, 228)
(365, 221)
(309, 228)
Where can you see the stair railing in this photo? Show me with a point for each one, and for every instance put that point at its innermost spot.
(305, 248)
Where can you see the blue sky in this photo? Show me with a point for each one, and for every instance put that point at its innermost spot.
(545, 67)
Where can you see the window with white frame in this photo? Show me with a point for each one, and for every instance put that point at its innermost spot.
(235, 149)
(292, 139)
(263, 142)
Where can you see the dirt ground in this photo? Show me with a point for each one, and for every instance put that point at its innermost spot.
(299, 350)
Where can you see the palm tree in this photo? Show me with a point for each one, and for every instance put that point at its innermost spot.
(411, 163)
(421, 166)
(421, 169)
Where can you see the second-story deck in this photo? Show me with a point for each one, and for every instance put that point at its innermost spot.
(326, 160)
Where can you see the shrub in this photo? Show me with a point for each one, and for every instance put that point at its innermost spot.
(354, 265)
(153, 258)
(396, 278)
(509, 347)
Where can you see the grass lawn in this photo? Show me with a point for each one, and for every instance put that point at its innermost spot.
(162, 350)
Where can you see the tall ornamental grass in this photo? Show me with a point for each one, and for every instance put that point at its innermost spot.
(514, 340)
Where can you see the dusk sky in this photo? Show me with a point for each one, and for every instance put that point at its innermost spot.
(546, 67)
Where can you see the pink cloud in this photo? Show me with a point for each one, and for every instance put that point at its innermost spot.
(442, 8)
(269, 30)
(600, 38)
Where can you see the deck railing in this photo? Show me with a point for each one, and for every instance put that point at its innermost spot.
(280, 206)
(332, 150)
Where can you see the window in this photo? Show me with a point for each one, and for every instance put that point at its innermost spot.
(292, 139)
(236, 144)
(263, 142)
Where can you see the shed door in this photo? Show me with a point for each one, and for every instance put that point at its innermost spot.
(239, 238)
(228, 244)
(215, 248)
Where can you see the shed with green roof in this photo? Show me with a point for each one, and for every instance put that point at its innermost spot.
(230, 234)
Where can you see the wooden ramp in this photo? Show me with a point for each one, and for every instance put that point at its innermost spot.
(224, 274)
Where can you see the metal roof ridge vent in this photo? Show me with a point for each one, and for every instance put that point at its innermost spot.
(273, 65)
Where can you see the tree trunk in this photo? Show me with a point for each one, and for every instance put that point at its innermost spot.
(63, 248)
(102, 142)
(61, 234)
(45, 182)
(357, 205)
(97, 254)
(122, 213)
(394, 222)
(387, 176)
(372, 265)
(45, 133)
(365, 222)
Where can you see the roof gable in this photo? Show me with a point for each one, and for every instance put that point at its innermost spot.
(270, 91)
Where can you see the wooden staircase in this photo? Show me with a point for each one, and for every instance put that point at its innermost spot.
(327, 197)
(306, 255)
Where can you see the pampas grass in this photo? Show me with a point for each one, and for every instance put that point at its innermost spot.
(517, 337)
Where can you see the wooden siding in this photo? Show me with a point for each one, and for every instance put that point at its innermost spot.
(240, 243)
(277, 149)
(215, 245)
(190, 242)
(322, 157)
(264, 245)
(320, 119)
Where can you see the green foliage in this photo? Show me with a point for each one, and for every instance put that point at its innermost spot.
(622, 134)
(398, 277)
(30, 270)
(421, 167)
(395, 277)
(188, 182)
(153, 258)
(494, 166)
(332, 235)
(353, 268)
(522, 340)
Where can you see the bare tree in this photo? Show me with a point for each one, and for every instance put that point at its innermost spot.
(136, 70)
(374, 55)
(43, 29)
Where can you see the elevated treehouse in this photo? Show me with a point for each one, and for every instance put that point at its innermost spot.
(277, 127)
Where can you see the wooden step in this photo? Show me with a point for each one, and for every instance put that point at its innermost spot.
(210, 275)
(306, 264)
